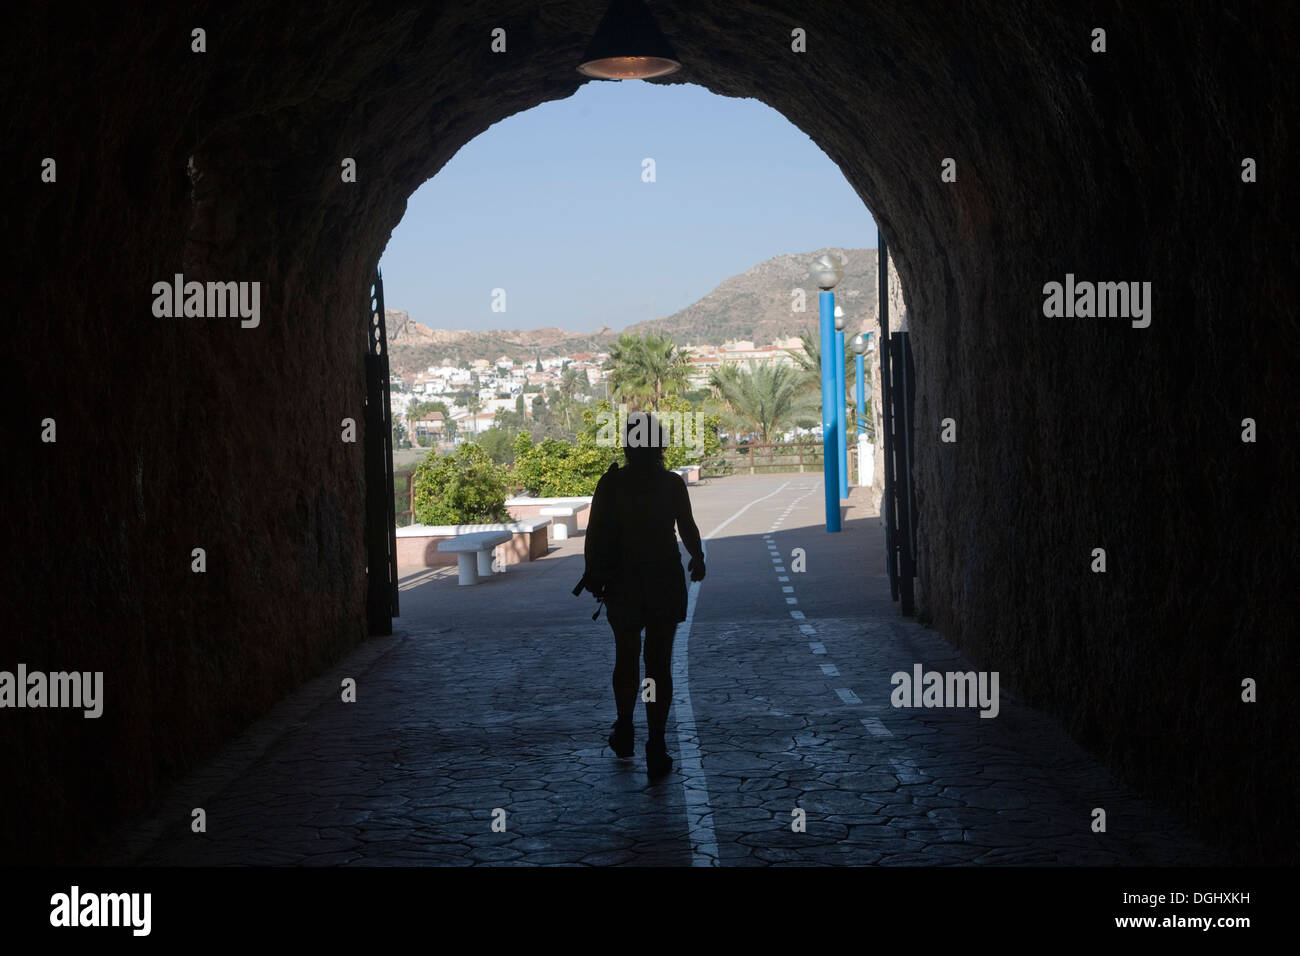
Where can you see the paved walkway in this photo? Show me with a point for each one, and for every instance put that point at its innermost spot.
(497, 698)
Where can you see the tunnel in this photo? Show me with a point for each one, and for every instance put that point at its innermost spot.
(1105, 142)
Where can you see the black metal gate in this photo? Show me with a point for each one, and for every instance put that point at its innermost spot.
(898, 377)
(381, 523)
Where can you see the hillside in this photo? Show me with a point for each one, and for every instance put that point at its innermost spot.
(413, 347)
(754, 305)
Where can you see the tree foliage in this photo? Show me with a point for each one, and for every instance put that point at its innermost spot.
(463, 487)
(809, 361)
(644, 370)
(558, 469)
(767, 399)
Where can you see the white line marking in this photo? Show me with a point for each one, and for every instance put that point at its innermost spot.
(787, 590)
(797, 615)
(830, 670)
(847, 695)
(695, 786)
(714, 532)
(817, 647)
(808, 629)
(699, 816)
(779, 570)
(783, 579)
(877, 728)
(791, 600)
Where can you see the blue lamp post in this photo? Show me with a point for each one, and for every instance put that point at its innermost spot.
(841, 428)
(827, 272)
(861, 342)
(861, 345)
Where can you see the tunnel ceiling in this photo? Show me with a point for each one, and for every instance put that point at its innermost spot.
(1072, 433)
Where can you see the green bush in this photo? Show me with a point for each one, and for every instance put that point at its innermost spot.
(556, 469)
(464, 487)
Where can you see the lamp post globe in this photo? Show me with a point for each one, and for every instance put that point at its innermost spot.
(827, 272)
(859, 343)
(839, 319)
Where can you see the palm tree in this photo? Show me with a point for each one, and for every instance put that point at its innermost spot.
(623, 365)
(647, 369)
(809, 363)
(667, 368)
(809, 360)
(767, 398)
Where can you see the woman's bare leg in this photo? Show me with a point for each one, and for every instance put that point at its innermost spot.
(659, 668)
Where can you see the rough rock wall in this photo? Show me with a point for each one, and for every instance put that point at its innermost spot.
(1072, 434)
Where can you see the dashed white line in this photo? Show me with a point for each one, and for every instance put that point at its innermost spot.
(877, 728)
(699, 816)
(847, 695)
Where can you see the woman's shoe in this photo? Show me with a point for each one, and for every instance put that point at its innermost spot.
(657, 761)
(620, 739)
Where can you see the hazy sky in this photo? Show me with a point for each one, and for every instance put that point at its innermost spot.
(550, 206)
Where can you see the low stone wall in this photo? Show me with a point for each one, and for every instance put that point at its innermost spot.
(525, 507)
(417, 545)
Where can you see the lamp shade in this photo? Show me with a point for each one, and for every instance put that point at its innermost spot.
(827, 271)
(628, 45)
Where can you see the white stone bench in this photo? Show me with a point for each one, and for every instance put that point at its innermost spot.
(474, 553)
(690, 474)
(564, 519)
(417, 544)
(524, 506)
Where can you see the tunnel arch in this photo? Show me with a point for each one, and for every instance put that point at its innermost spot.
(1121, 165)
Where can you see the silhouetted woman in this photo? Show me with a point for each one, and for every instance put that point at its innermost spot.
(631, 551)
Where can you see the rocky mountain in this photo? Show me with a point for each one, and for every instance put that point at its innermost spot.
(755, 305)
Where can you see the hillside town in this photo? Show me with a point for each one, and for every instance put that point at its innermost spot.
(475, 392)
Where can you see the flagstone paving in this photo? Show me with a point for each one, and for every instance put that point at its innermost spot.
(477, 734)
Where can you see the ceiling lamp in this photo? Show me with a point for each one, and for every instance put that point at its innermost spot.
(628, 45)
